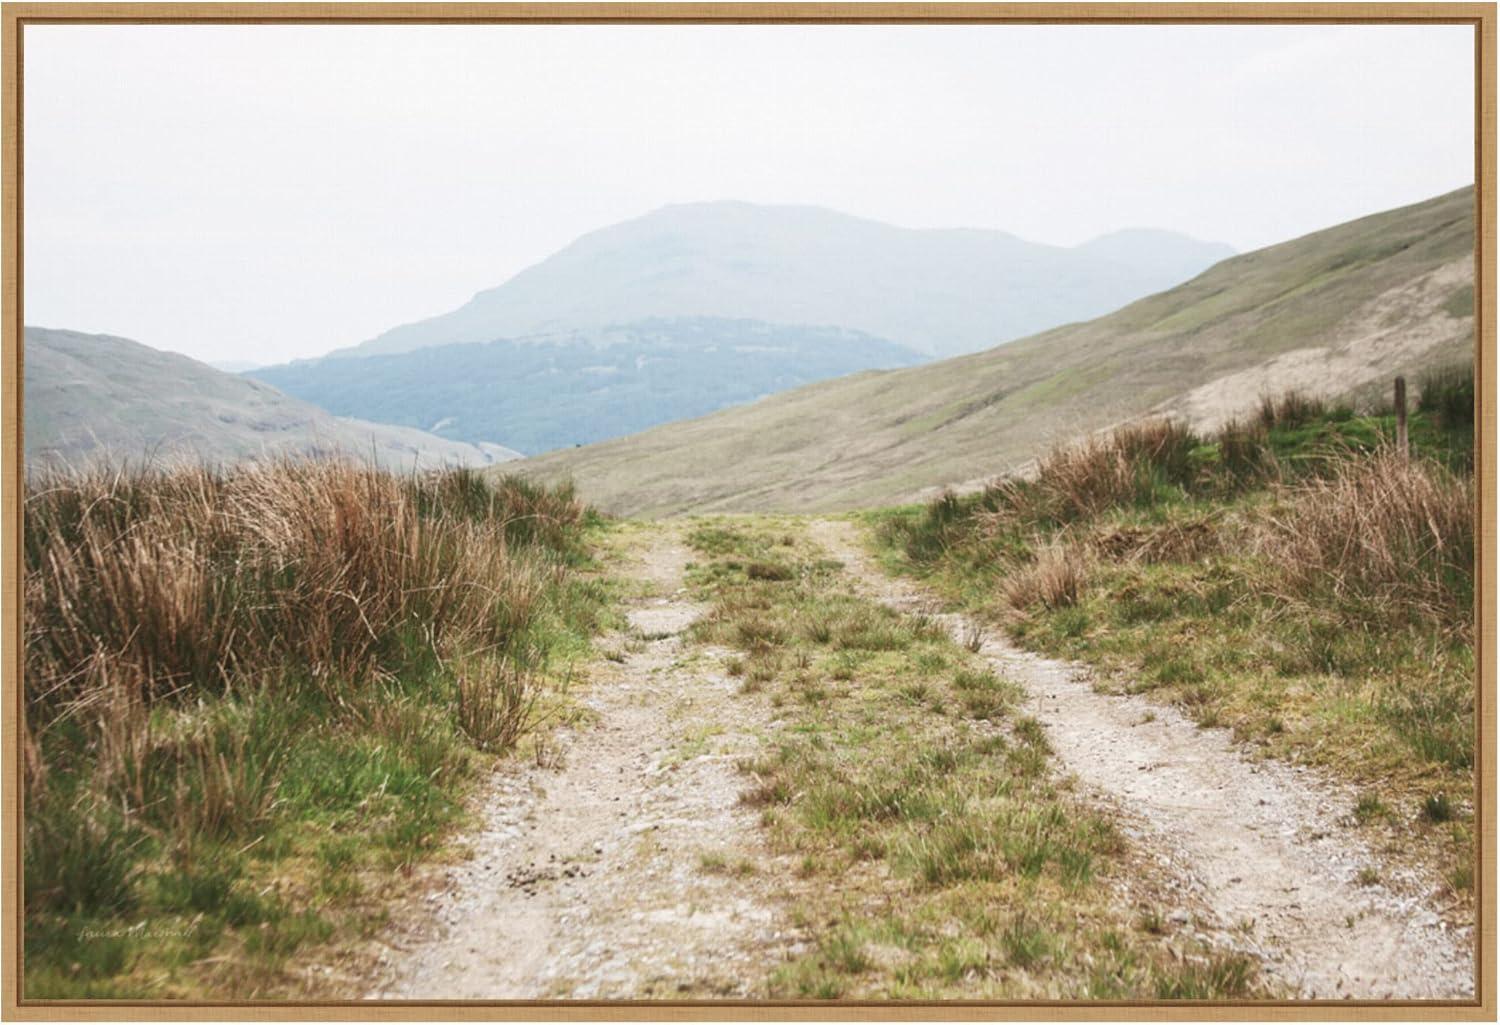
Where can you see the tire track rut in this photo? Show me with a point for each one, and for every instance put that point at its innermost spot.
(586, 880)
(1260, 842)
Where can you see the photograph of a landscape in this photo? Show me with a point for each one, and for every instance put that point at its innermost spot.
(749, 512)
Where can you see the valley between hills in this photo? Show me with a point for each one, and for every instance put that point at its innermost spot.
(920, 666)
(1335, 314)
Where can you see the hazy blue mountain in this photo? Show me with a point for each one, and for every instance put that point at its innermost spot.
(566, 389)
(1338, 312)
(1172, 257)
(940, 292)
(91, 396)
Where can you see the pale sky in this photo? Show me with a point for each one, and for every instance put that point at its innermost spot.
(269, 192)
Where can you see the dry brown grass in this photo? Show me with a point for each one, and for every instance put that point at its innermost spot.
(1126, 466)
(497, 702)
(141, 587)
(1391, 536)
(1056, 579)
(246, 691)
(1182, 539)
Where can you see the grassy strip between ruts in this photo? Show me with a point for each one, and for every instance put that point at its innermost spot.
(939, 854)
(1294, 579)
(257, 700)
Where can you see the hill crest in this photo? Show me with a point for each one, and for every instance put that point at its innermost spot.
(1335, 310)
(92, 395)
(938, 291)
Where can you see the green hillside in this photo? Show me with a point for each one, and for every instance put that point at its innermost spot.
(1331, 312)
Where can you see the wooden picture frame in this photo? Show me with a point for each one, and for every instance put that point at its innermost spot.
(15, 18)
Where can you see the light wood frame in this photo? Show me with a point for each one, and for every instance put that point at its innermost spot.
(14, 18)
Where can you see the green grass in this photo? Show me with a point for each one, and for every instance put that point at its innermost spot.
(939, 855)
(204, 827)
(1460, 303)
(1289, 579)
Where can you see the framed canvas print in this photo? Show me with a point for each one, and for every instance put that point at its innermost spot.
(695, 511)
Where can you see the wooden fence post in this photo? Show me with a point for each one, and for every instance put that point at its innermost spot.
(1401, 442)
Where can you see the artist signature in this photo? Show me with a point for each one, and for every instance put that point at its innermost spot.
(140, 930)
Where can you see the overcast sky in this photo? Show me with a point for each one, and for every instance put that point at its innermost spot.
(268, 192)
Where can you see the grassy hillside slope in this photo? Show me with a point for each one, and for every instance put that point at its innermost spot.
(96, 396)
(1337, 310)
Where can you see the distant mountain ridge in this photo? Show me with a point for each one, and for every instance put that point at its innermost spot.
(1333, 313)
(99, 396)
(1166, 254)
(577, 387)
(937, 291)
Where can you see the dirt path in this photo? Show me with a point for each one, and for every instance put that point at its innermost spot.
(588, 879)
(1261, 842)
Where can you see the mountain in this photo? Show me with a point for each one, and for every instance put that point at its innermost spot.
(1333, 312)
(580, 387)
(88, 396)
(939, 292)
(1166, 255)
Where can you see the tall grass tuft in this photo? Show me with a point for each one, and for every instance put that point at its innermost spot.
(1290, 409)
(1056, 579)
(1391, 535)
(1133, 465)
(211, 653)
(1449, 396)
(142, 587)
(497, 701)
